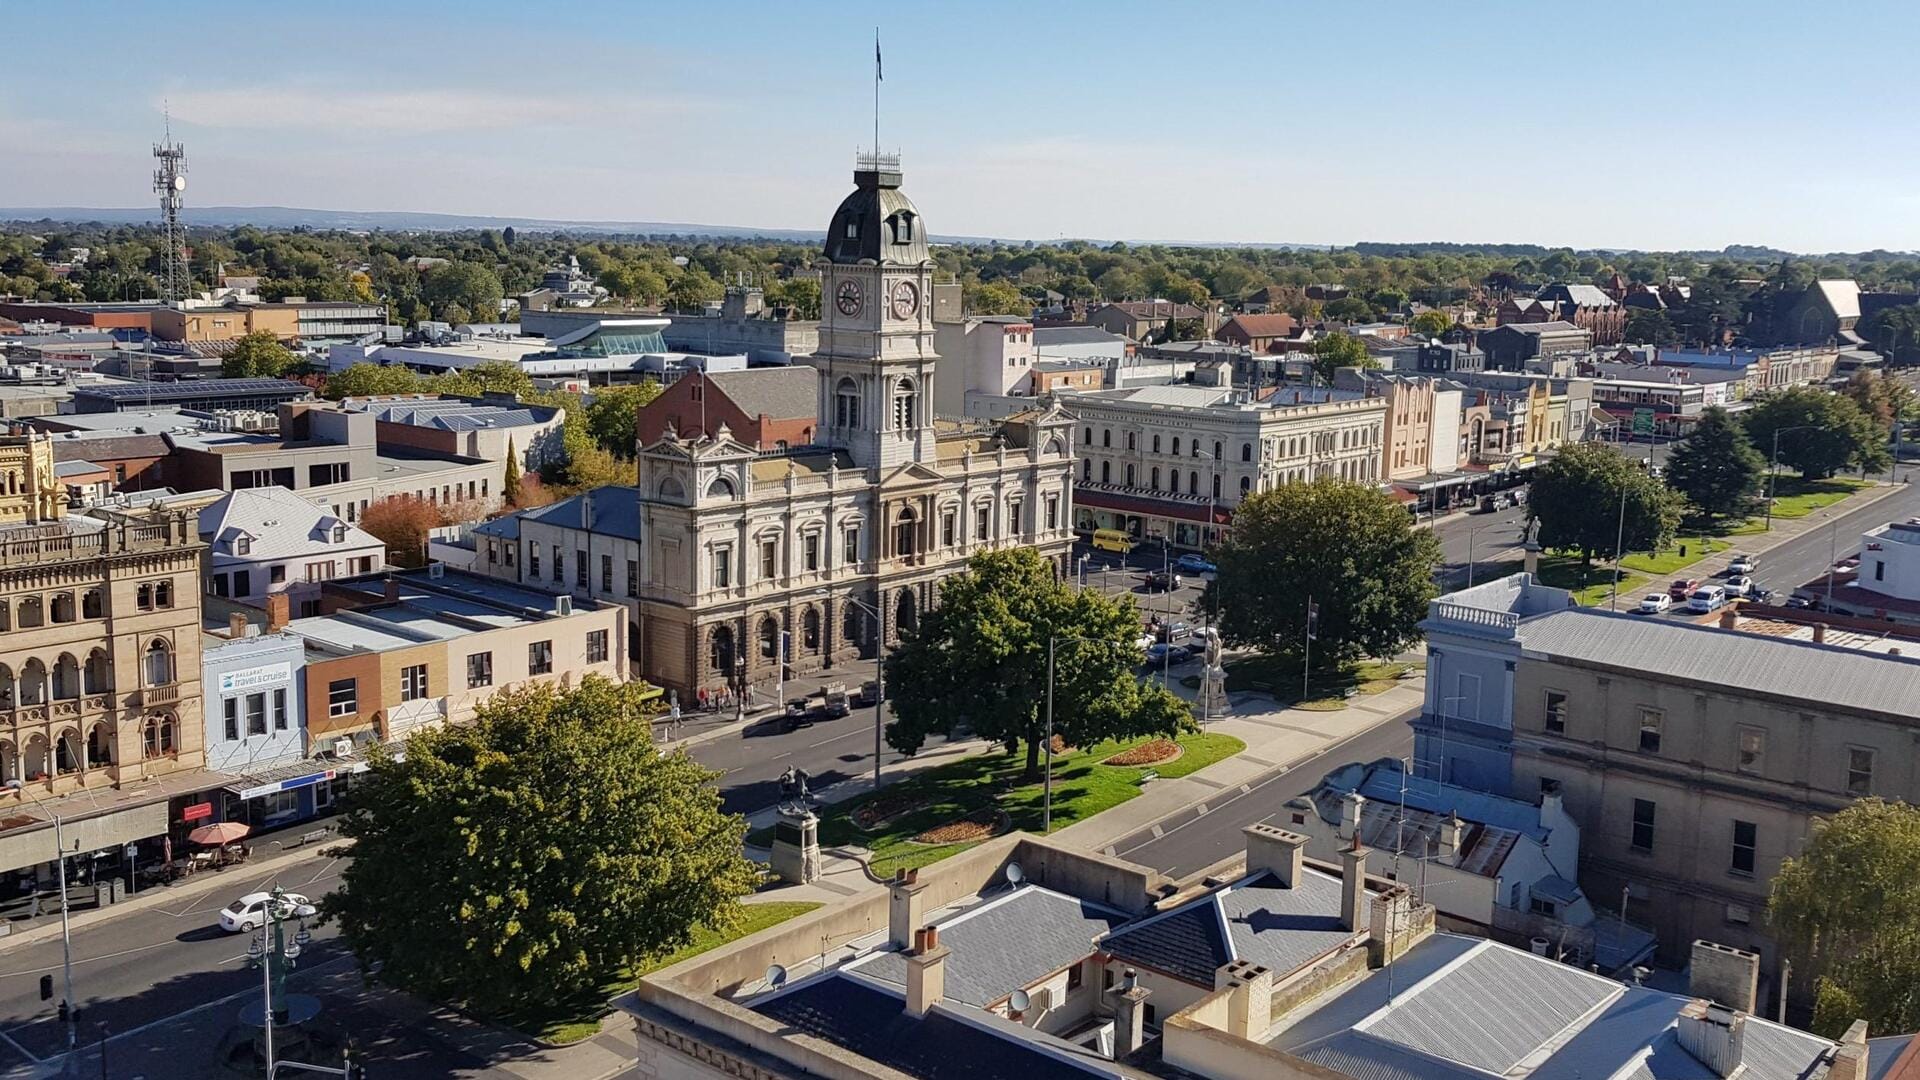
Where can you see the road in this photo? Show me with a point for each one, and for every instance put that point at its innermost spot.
(752, 759)
(1193, 839)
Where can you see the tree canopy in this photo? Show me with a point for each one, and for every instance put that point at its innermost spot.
(1352, 549)
(1578, 498)
(536, 853)
(1850, 903)
(1819, 433)
(1431, 323)
(980, 659)
(258, 355)
(1715, 466)
(1335, 351)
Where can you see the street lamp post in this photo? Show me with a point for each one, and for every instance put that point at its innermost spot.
(274, 952)
(66, 929)
(1619, 541)
(879, 681)
(1773, 466)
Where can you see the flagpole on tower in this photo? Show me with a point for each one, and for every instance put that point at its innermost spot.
(878, 75)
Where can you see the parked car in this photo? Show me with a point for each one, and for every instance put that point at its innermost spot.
(1707, 598)
(248, 912)
(1167, 652)
(1146, 641)
(1172, 631)
(1495, 502)
(1194, 563)
(1799, 602)
(1682, 588)
(868, 693)
(1655, 603)
(1741, 586)
(1743, 565)
(1163, 581)
(1519, 496)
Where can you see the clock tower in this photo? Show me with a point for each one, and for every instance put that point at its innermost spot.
(876, 353)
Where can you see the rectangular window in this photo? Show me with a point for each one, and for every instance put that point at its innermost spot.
(606, 573)
(1745, 839)
(479, 670)
(850, 547)
(1879, 570)
(633, 577)
(1650, 723)
(769, 560)
(1642, 825)
(1753, 750)
(276, 575)
(533, 559)
(982, 522)
(363, 565)
(1859, 771)
(256, 714)
(597, 647)
(232, 708)
(1053, 512)
(1076, 978)
(219, 583)
(493, 553)
(343, 697)
(506, 552)
(559, 565)
(1556, 713)
(413, 682)
(540, 658)
(1541, 906)
(580, 569)
(810, 551)
(280, 709)
(243, 583)
(1016, 517)
(723, 566)
(320, 571)
(949, 529)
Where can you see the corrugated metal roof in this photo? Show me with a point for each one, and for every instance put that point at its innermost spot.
(196, 388)
(1797, 670)
(1365, 1058)
(1842, 297)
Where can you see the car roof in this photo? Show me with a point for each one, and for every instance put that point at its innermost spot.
(255, 897)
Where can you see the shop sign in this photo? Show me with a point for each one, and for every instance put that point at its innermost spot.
(197, 811)
(233, 682)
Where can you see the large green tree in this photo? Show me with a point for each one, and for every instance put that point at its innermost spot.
(366, 380)
(1579, 496)
(997, 298)
(1716, 467)
(614, 413)
(471, 288)
(979, 659)
(1850, 905)
(1818, 433)
(258, 355)
(1352, 549)
(1431, 323)
(534, 854)
(1650, 326)
(1335, 351)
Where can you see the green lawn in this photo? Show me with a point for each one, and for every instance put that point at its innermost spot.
(1326, 692)
(572, 1021)
(1082, 787)
(1796, 497)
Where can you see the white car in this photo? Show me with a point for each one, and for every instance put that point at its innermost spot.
(1743, 565)
(248, 912)
(1738, 586)
(1655, 603)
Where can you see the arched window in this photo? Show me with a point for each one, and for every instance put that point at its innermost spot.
(1086, 468)
(1195, 452)
(66, 753)
(91, 606)
(1129, 474)
(30, 613)
(33, 683)
(905, 533)
(8, 688)
(1216, 485)
(1246, 485)
(1193, 483)
(1216, 451)
(1246, 451)
(722, 651)
(1156, 444)
(63, 607)
(9, 762)
(1054, 447)
(1153, 478)
(1106, 472)
(1176, 446)
(721, 488)
(97, 678)
(66, 678)
(1086, 436)
(907, 613)
(846, 404)
(158, 663)
(902, 223)
(853, 625)
(672, 490)
(906, 406)
(163, 594)
(1106, 437)
(810, 630)
(157, 737)
(769, 638)
(99, 746)
(1130, 440)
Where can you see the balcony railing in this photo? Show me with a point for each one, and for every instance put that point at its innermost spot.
(160, 695)
(1473, 616)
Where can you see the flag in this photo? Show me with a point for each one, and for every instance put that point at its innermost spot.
(1313, 620)
(878, 73)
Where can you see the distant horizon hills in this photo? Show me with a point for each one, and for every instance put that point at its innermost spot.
(291, 217)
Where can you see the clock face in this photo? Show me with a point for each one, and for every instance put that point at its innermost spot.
(906, 300)
(848, 298)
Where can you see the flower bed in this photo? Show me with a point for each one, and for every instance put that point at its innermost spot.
(1151, 752)
(980, 825)
(883, 810)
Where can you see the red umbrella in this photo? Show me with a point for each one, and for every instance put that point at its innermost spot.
(225, 832)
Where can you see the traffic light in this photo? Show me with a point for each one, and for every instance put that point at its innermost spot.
(46, 988)
(64, 1011)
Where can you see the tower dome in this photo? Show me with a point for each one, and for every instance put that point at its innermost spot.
(877, 223)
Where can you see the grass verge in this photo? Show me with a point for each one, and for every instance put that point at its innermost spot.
(565, 1022)
(1082, 787)
(1326, 691)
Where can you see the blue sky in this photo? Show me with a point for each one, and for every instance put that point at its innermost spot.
(1649, 125)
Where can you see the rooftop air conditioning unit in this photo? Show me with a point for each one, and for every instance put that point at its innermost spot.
(436, 571)
(563, 605)
(343, 748)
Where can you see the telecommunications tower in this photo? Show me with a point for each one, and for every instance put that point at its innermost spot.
(170, 183)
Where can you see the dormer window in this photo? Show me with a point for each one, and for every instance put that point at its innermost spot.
(339, 534)
(903, 228)
(243, 545)
(853, 228)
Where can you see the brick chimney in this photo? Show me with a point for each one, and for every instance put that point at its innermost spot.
(1350, 814)
(1276, 850)
(1715, 1035)
(1850, 1057)
(1129, 1014)
(926, 971)
(1250, 1006)
(1353, 885)
(1451, 832)
(279, 612)
(1730, 617)
(392, 591)
(1724, 974)
(903, 908)
(237, 625)
(1819, 633)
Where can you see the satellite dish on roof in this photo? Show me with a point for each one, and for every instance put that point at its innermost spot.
(776, 976)
(1015, 875)
(1019, 1001)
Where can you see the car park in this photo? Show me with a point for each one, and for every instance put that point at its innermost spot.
(1655, 603)
(250, 911)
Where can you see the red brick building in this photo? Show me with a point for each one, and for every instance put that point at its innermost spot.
(1585, 306)
(766, 408)
(1258, 332)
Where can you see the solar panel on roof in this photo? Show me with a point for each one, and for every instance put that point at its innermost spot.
(195, 388)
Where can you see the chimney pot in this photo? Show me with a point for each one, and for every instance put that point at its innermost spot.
(1819, 633)
(926, 971)
(1353, 885)
(279, 608)
(1730, 617)
(1276, 850)
(904, 906)
(1724, 974)
(237, 625)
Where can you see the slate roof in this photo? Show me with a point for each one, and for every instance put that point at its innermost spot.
(1253, 919)
(1007, 944)
(945, 1044)
(1841, 297)
(616, 512)
(453, 414)
(281, 523)
(1044, 336)
(1579, 295)
(779, 392)
(109, 447)
(1833, 676)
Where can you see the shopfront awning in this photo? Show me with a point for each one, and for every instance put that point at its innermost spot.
(291, 776)
(1145, 507)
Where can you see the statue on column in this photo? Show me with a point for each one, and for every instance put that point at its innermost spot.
(1213, 680)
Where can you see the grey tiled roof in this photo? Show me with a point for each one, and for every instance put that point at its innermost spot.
(1188, 943)
(1044, 336)
(1832, 676)
(942, 1045)
(1253, 919)
(616, 512)
(281, 523)
(779, 392)
(1007, 944)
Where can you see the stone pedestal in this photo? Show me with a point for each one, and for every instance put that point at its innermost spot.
(796, 846)
(1212, 703)
(1532, 559)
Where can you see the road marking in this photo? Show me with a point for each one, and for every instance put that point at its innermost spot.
(22, 1050)
(102, 956)
(836, 738)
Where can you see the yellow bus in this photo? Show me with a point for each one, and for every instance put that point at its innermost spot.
(1112, 540)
